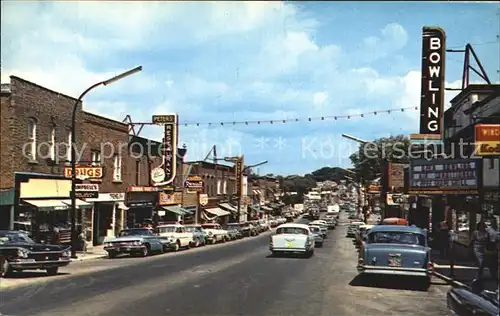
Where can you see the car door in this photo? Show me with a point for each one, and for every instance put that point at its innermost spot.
(153, 240)
(180, 235)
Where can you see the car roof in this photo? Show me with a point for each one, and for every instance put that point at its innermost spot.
(396, 228)
(294, 225)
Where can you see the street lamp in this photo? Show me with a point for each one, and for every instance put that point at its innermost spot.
(359, 140)
(73, 153)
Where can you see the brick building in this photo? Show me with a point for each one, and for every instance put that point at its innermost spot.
(34, 139)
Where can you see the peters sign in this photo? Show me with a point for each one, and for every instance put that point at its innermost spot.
(487, 139)
(433, 78)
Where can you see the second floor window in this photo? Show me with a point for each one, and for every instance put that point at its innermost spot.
(31, 146)
(224, 187)
(96, 158)
(68, 147)
(219, 189)
(52, 143)
(117, 168)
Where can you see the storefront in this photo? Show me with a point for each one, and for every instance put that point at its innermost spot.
(107, 218)
(190, 204)
(7, 209)
(212, 212)
(44, 202)
(170, 207)
(141, 202)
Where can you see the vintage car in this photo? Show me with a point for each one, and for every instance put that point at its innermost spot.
(21, 253)
(175, 236)
(199, 235)
(360, 233)
(396, 250)
(331, 223)
(318, 235)
(215, 233)
(353, 227)
(394, 221)
(292, 238)
(248, 230)
(322, 225)
(134, 241)
(233, 230)
(473, 300)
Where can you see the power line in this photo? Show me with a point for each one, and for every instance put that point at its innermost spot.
(297, 120)
(472, 44)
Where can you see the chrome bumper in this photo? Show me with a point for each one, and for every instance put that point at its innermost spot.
(124, 249)
(417, 272)
(31, 264)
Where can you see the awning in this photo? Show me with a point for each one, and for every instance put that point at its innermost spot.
(122, 206)
(257, 192)
(257, 208)
(79, 203)
(175, 209)
(266, 208)
(229, 207)
(47, 205)
(189, 209)
(217, 211)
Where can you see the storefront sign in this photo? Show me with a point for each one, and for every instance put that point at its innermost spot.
(86, 191)
(194, 184)
(157, 175)
(487, 139)
(203, 199)
(85, 172)
(239, 176)
(444, 176)
(395, 177)
(433, 77)
(169, 148)
(164, 119)
(144, 189)
(173, 198)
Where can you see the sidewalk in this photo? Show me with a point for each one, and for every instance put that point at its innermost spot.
(465, 269)
(92, 253)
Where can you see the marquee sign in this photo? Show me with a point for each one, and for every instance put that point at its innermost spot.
(194, 184)
(85, 172)
(169, 146)
(433, 78)
(86, 191)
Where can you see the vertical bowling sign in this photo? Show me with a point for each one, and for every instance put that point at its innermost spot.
(239, 176)
(169, 123)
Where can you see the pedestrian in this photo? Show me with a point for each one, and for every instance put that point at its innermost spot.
(443, 238)
(479, 239)
(492, 249)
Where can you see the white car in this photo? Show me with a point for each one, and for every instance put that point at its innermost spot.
(176, 236)
(292, 238)
(323, 225)
(215, 233)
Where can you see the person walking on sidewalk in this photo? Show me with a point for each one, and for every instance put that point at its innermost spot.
(479, 239)
(492, 249)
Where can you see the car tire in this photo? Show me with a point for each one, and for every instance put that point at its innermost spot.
(177, 246)
(52, 271)
(197, 243)
(111, 254)
(146, 251)
(7, 271)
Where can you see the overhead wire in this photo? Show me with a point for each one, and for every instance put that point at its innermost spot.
(298, 120)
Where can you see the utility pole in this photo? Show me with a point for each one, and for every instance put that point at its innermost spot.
(239, 182)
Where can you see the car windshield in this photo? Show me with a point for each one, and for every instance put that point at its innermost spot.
(314, 229)
(6, 238)
(167, 229)
(134, 232)
(192, 228)
(396, 238)
(292, 230)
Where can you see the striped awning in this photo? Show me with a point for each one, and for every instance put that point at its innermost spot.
(228, 207)
(217, 211)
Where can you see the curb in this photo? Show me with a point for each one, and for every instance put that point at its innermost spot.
(448, 279)
(83, 258)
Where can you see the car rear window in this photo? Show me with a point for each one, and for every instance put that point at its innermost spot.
(292, 230)
(404, 238)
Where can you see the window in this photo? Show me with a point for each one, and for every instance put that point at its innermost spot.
(137, 171)
(117, 168)
(224, 187)
(68, 147)
(219, 191)
(31, 148)
(96, 158)
(52, 143)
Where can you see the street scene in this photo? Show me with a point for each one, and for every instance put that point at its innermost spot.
(247, 158)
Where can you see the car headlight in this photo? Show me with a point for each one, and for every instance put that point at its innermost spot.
(66, 253)
(107, 244)
(22, 253)
(137, 243)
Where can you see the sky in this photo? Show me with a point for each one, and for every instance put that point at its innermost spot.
(242, 61)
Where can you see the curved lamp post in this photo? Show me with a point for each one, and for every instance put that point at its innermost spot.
(73, 153)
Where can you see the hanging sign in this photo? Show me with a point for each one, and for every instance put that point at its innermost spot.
(169, 147)
(487, 139)
(239, 176)
(86, 191)
(194, 184)
(203, 199)
(85, 172)
(157, 175)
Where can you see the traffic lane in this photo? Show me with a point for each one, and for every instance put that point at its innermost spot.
(120, 273)
(252, 284)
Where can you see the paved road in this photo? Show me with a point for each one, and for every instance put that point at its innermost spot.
(231, 279)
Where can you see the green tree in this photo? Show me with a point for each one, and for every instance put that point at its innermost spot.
(370, 157)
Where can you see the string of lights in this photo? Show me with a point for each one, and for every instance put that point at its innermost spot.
(308, 119)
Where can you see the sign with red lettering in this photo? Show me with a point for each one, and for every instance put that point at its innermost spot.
(487, 137)
(85, 172)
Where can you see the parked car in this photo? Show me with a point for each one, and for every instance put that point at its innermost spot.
(318, 235)
(215, 233)
(292, 238)
(473, 300)
(352, 228)
(199, 235)
(175, 236)
(134, 241)
(331, 223)
(322, 225)
(233, 230)
(20, 253)
(396, 250)
(264, 225)
(247, 229)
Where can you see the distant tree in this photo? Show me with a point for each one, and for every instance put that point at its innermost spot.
(370, 157)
